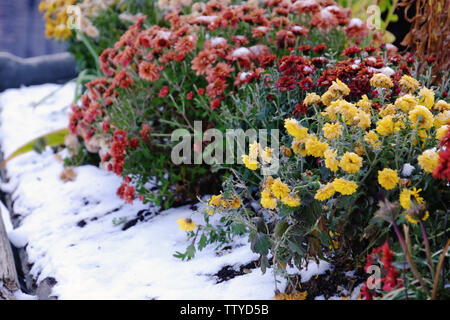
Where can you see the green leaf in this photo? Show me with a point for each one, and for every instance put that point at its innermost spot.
(202, 243)
(53, 138)
(260, 243)
(281, 228)
(293, 246)
(323, 237)
(238, 228)
(190, 252)
(264, 262)
(260, 224)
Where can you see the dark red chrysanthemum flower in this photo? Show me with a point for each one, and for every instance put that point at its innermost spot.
(351, 51)
(320, 48)
(215, 104)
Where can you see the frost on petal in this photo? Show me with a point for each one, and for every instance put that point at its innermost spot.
(407, 170)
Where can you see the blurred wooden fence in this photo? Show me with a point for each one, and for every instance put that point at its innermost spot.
(22, 29)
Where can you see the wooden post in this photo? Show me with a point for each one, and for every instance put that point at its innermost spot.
(8, 273)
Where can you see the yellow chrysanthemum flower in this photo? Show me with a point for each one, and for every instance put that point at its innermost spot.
(414, 220)
(250, 163)
(406, 102)
(408, 83)
(440, 133)
(216, 200)
(279, 189)
(421, 117)
(295, 129)
(406, 195)
(295, 146)
(235, 203)
(338, 87)
(350, 162)
(441, 105)
(344, 186)
(254, 150)
(314, 147)
(428, 160)
(326, 192)
(399, 124)
(442, 118)
(330, 160)
(426, 97)
(328, 97)
(311, 98)
(371, 138)
(332, 130)
(291, 200)
(380, 80)
(365, 104)
(388, 178)
(269, 181)
(359, 149)
(385, 125)
(268, 201)
(387, 110)
(186, 224)
(363, 120)
(405, 198)
(346, 109)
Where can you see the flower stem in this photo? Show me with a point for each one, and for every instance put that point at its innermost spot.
(427, 248)
(408, 257)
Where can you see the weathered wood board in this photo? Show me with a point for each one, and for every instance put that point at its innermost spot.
(8, 273)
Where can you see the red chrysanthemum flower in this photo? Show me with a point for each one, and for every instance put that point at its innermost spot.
(186, 44)
(133, 143)
(442, 171)
(203, 61)
(148, 71)
(215, 104)
(163, 92)
(126, 192)
(221, 71)
(216, 88)
(320, 48)
(304, 48)
(351, 51)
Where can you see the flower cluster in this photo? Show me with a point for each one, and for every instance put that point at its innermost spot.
(165, 77)
(56, 17)
(390, 280)
(364, 128)
(351, 152)
(59, 16)
(348, 137)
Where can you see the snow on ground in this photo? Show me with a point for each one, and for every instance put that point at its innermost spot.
(68, 228)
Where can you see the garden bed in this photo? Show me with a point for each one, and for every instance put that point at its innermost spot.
(83, 242)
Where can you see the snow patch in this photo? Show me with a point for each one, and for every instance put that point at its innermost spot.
(73, 230)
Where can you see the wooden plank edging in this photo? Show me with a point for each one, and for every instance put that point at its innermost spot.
(8, 272)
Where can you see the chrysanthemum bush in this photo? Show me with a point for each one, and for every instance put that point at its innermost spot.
(343, 173)
(192, 66)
